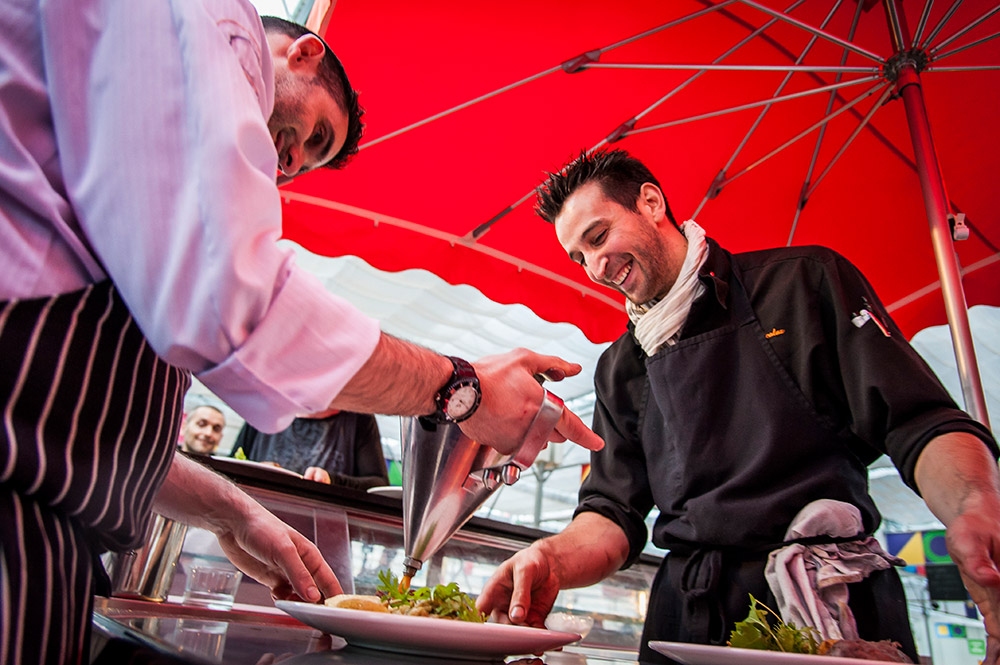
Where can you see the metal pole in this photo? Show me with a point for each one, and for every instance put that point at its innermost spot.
(936, 204)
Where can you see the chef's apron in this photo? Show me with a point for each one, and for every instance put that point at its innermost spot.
(723, 507)
(90, 418)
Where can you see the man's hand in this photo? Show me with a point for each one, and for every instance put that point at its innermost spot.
(261, 545)
(524, 588)
(512, 397)
(522, 591)
(318, 475)
(958, 479)
(974, 545)
(401, 378)
(278, 556)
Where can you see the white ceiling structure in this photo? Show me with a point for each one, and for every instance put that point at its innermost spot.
(458, 320)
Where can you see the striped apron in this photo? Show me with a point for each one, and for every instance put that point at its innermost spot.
(90, 418)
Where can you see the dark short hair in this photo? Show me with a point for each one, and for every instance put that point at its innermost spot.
(331, 76)
(619, 174)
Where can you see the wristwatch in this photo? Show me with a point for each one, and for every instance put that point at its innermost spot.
(459, 397)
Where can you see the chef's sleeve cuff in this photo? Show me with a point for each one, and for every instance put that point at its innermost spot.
(298, 358)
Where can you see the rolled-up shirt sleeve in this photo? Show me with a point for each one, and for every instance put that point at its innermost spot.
(160, 113)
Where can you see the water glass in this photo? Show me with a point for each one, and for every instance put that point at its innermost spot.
(214, 588)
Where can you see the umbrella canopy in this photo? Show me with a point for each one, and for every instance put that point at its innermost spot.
(471, 103)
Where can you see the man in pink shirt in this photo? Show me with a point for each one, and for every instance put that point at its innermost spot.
(139, 144)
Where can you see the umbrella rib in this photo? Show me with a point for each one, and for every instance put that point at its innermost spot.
(668, 24)
(481, 230)
(737, 68)
(822, 131)
(864, 122)
(816, 31)
(802, 134)
(713, 191)
(940, 26)
(452, 239)
(464, 105)
(924, 15)
(941, 56)
(961, 31)
(743, 107)
(934, 286)
(735, 47)
(967, 68)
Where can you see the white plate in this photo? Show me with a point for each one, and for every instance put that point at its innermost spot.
(392, 491)
(705, 654)
(257, 465)
(426, 636)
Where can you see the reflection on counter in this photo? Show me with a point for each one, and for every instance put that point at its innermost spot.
(147, 633)
(203, 638)
(361, 534)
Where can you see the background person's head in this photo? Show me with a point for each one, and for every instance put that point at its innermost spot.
(312, 96)
(203, 430)
(619, 175)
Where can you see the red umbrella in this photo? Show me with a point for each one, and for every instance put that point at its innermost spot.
(739, 107)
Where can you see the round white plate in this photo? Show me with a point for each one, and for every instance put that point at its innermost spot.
(426, 636)
(393, 491)
(705, 654)
(257, 465)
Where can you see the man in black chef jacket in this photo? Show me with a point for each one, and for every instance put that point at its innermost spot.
(746, 387)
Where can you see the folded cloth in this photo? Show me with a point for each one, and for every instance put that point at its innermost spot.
(810, 582)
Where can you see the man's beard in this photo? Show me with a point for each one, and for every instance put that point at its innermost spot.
(288, 99)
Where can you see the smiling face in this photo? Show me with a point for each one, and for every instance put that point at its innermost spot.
(636, 253)
(307, 125)
(203, 430)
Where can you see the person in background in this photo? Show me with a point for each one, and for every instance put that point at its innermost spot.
(745, 401)
(332, 446)
(139, 149)
(202, 430)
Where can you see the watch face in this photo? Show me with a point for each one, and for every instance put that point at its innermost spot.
(461, 401)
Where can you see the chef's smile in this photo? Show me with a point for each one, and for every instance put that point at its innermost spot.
(623, 273)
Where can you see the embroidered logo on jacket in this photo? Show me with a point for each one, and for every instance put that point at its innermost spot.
(774, 332)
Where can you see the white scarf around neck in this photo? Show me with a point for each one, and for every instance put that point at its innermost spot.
(658, 322)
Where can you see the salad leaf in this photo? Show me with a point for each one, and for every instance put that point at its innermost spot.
(239, 454)
(445, 600)
(763, 629)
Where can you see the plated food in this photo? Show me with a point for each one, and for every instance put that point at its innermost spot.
(763, 629)
(426, 636)
(443, 601)
(350, 601)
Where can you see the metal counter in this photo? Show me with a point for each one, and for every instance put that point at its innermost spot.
(359, 534)
(147, 633)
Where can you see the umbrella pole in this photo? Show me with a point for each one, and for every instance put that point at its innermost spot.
(935, 202)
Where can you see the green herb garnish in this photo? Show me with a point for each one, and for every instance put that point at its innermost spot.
(443, 600)
(239, 454)
(758, 631)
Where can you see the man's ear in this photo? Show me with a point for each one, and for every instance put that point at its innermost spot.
(652, 203)
(305, 53)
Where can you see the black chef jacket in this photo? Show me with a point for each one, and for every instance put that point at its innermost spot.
(876, 391)
(347, 445)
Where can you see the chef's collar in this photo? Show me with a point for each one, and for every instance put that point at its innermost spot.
(714, 274)
(716, 271)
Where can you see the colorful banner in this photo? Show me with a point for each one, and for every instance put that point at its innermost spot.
(918, 548)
